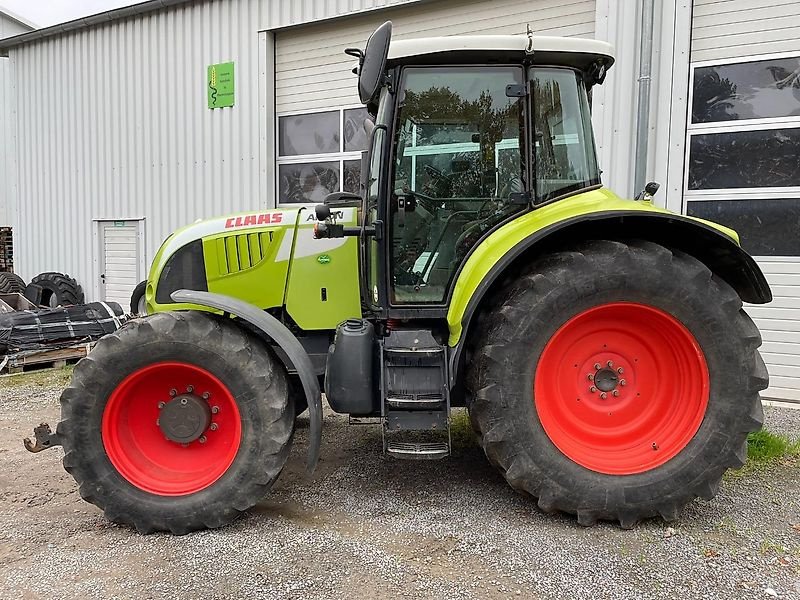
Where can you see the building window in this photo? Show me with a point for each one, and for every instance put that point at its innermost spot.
(743, 143)
(319, 153)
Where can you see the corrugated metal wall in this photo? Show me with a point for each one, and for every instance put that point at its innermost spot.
(312, 71)
(116, 126)
(8, 27)
(733, 28)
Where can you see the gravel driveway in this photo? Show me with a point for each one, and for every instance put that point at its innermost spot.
(367, 527)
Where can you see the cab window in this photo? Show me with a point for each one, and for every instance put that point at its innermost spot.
(459, 170)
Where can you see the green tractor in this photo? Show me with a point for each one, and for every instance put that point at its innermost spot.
(599, 344)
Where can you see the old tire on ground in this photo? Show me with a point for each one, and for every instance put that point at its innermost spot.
(142, 461)
(138, 305)
(58, 289)
(11, 283)
(554, 416)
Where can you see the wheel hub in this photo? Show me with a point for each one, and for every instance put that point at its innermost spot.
(184, 418)
(606, 380)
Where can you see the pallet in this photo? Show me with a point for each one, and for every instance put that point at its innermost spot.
(46, 358)
(6, 250)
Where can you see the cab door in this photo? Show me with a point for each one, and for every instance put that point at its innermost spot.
(459, 170)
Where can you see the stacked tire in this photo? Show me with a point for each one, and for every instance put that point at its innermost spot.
(54, 289)
(11, 283)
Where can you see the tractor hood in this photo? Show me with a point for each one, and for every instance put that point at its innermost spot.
(247, 256)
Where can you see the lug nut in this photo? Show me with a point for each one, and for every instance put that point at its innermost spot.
(620, 371)
(597, 366)
(623, 382)
(654, 446)
(610, 364)
(603, 396)
(615, 393)
(202, 439)
(189, 388)
(158, 422)
(593, 389)
(590, 377)
(173, 392)
(214, 409)
(206, 395)
(184, 401)
(214, 427)
(161, 405)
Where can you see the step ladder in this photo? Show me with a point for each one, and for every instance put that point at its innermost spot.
(416, 398)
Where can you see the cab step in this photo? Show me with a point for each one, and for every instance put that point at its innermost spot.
(418, 450)
(416, 399)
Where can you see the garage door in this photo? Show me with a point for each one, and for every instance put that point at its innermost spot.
(120, 268)
(312, 71)
(320, 119)
(743, 143)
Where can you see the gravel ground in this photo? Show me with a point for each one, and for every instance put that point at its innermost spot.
(366, 527)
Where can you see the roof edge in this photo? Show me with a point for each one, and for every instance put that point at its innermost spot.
(96, 19)
(17, 19)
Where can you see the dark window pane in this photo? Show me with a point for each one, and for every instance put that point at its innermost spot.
(751, 90)
(355, 136)
(351, 177)
(315, 133)
(766, 227)
(307, 182)
(745, 159)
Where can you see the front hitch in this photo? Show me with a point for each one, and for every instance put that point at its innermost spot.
(45, 438)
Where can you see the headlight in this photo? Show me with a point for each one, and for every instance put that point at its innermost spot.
(185, 270)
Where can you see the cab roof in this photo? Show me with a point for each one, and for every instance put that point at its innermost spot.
(576, 52)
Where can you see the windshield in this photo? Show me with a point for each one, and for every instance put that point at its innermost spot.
(564, 150)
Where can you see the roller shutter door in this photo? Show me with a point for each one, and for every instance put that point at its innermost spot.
(312, 71)
(751, 46)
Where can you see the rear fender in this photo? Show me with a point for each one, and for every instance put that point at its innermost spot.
(285, 339)
(488, 268)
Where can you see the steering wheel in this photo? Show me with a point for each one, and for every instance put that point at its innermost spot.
(436, 174)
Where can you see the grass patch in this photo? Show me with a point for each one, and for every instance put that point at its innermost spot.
(765, 447)
(461, 434)
(44, 378)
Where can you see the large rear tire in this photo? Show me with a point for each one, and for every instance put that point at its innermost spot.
(616, 382)
(176, 422)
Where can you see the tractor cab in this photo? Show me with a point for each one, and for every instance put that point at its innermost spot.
(468, 132)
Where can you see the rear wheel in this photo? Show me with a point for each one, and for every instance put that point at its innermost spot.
(617, 382)
(176, 422)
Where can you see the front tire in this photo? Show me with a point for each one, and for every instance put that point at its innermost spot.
(176, 422)
(557, 419)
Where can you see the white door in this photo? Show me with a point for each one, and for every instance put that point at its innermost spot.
(120, 266)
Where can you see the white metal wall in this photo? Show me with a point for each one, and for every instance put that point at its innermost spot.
(116, 125)
(312, 71)
(8, 27)
(733, 28)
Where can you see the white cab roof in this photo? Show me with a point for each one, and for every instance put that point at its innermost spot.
(509, 43)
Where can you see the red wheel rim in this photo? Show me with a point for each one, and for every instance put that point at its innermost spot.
(140, 451)
(650, 411)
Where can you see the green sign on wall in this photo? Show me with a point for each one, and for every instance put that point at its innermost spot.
(220, 85)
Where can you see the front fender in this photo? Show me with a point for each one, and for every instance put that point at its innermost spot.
(599, 214)
(278, 333)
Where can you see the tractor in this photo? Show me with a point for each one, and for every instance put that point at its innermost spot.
(599, 344)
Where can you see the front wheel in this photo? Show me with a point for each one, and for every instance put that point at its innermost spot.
(618, 382)
(176, 422)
